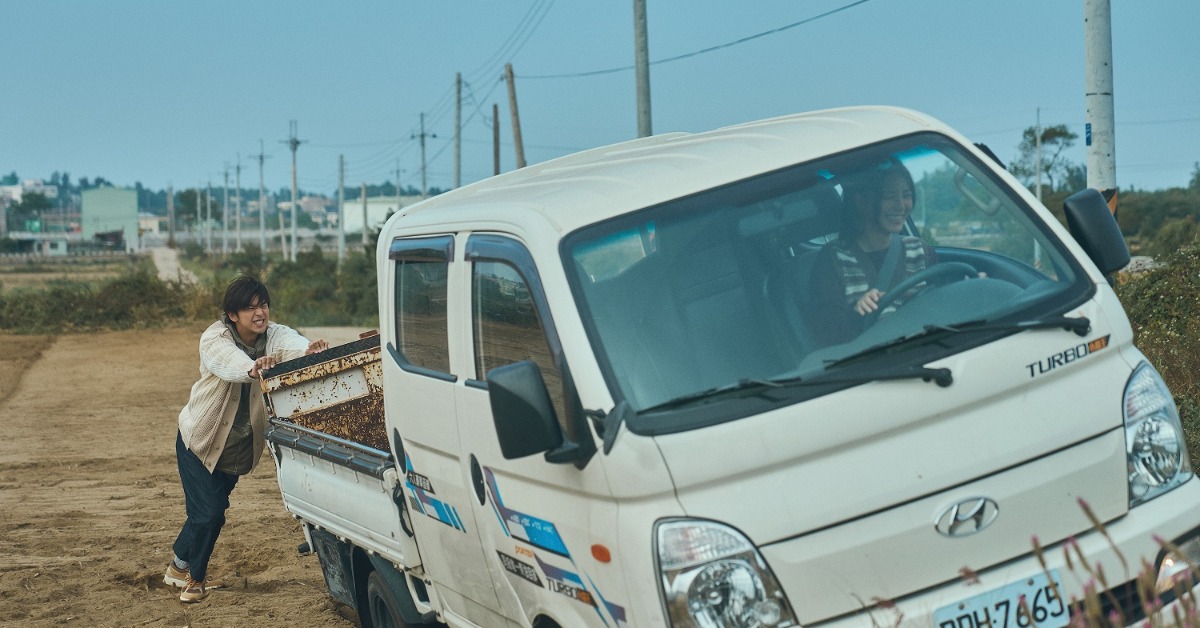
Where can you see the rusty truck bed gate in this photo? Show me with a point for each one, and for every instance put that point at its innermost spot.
(335, 395)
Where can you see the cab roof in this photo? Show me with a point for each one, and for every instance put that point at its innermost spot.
(579, 189)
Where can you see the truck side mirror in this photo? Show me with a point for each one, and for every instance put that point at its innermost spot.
(521, 409)
(1096, 230)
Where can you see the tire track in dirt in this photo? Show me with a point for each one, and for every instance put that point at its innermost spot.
(17, 353)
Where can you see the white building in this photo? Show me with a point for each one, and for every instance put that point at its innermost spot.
(14, 193)
(377, 210)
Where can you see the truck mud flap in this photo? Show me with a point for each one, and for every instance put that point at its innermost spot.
(336, 565)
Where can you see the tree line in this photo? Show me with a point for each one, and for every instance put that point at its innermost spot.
(155, 201)
(1156, 223)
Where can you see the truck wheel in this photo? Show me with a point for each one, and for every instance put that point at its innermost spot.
(382, 608)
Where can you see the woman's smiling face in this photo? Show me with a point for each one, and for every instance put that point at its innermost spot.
(895, 204)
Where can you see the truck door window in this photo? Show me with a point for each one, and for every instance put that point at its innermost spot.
(507, 327)
(422, 334)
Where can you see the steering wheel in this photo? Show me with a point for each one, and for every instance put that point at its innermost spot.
(929, 274)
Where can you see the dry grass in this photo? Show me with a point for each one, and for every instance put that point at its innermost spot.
(23, 273)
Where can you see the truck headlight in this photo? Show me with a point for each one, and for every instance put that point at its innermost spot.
(1156, 454)
(1177, 568)
(712, 576)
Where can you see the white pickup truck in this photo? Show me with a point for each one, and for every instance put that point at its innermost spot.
(608, 390)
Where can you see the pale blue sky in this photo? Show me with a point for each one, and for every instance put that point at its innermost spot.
(171, 92)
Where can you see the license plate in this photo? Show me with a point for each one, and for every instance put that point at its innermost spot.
(1000, 608)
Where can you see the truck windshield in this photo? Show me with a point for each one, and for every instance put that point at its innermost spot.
(796, 275)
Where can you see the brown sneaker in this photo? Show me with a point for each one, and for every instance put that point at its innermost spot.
(193, 592)
(175, 576)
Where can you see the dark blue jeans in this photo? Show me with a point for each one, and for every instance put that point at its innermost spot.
(206, 497)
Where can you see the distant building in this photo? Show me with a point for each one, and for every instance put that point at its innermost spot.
(11, 195)
(151, 223)
(378, 210)
(15, 193)
(109, 211)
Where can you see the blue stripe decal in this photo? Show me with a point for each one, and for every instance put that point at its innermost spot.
(544, 535)
(536, 531)
(430, 506)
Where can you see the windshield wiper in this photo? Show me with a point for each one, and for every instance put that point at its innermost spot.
(1080, 325)
(942, 376)
(746, 383)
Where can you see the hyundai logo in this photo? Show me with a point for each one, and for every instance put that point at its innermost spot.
(966, 517)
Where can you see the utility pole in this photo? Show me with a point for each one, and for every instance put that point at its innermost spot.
(364, 227)
(424, 189)
(398, 192)
(641, 62)
(457, 131)
(293, 143)
(1100, 132)
(516, 117)
(208, 213)
(283, 243)
(495, 139)
(237, 214)
(1038, 145)
(197, 228)
(170, 216)
(262, 204)
(204, 223)
(341, 208)
(225, 214)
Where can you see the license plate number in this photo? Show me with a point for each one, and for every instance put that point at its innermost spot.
(1001, 607)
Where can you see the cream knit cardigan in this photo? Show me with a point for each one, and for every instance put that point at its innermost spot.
(208, 416)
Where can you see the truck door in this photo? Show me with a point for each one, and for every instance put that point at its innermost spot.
(420, 384)
(540, 521)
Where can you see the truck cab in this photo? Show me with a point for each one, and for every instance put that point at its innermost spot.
(631, 387)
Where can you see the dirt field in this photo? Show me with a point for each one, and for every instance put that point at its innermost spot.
(90, 500)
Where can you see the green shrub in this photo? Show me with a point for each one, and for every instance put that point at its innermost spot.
(193, 249)
(136, 298)
(1164, 308)
(249, 261)
(310, 291)
(61, 305)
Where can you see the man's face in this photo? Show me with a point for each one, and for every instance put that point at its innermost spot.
(251, 321)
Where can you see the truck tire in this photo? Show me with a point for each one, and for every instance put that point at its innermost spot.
(382, 609)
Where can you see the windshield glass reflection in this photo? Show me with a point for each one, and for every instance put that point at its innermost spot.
(781, 276)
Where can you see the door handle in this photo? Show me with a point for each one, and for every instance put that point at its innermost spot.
(477, 480)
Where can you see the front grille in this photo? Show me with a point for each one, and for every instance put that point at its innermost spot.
(1123, 603)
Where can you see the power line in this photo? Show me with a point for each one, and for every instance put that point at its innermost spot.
(359, 144)
(703, 50)
(391, 150)
(516, 40)
(525, 28)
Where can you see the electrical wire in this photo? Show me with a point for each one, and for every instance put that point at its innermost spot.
(702, 51)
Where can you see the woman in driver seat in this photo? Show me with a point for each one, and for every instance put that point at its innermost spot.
(869, 256)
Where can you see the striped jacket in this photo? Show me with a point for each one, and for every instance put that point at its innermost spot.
(857, 277)
(207, 418)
